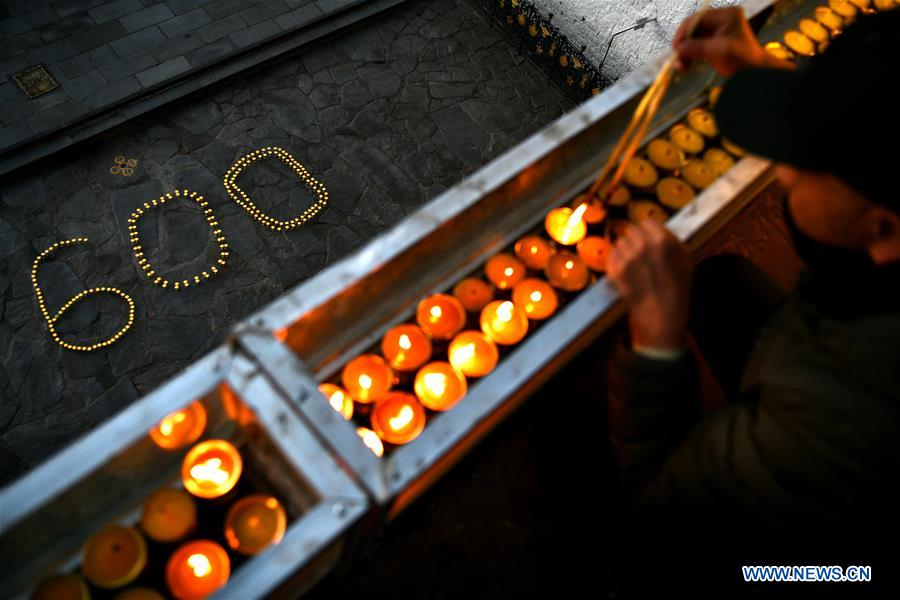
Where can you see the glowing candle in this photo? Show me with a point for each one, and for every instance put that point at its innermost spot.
(62, 587)
(441, 316)
(139, 593)
(439, 386)
(169, 515)
(504, 271)
(568, 272)
(371, 440)
(536, 298)
(473, 354)
(398, 418)
(253, 523)
(504, 323)
(114, 556)
(211, 469)
(473, 294)
(338, 398)
(565, 225)
(594, 251)
(197, 569)
(534, 251)
(778, 51)
(180, 428)
(406, 347)
(367, 378)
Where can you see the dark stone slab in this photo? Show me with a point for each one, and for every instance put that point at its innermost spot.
(85, 85)
(131, 43)
(27, 21)
(130, 65)
(114, 9)
(114, 91)
(177, 46)
(119, 396)
(97, 36)
(222, 8)
(262, 11)
(186, 23)
(209, 53)
(142, 19)
(299, 17)
(255, 34)
(162, 72)
(221, 28)
(75, 66)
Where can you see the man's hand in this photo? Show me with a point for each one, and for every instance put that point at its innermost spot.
(723, 38)
(652, 270)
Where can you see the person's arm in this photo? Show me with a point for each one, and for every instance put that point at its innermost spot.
(653, 393)
(670, 461)
(723, 38)
(652, 404)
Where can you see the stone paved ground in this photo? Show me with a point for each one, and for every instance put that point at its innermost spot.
(592, 23)
(387, 116)
(102, 52)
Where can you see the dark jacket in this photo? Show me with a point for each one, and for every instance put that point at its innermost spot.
(813, 444)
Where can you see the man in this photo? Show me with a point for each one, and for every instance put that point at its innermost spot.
(803, 464)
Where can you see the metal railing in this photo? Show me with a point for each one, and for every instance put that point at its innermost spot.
(542, 43)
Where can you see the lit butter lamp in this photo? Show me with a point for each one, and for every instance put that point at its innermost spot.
(594, 251)
(534, 251)
(62, 587)
(339, 399)
(211, 469)
(180, 428)
(367, 378)
(568, 272)
(371, 440)
(504, 271)
(595, 212)
(255, 522)
(536, 298)
(441, 316)
(114, 556)
(566, 226)
(473, 354)
(139, 593)
(439, 386)
(504, 323)
(473, 294)
(168, 515)
(406, 347)
(398, 418)
(197, 569)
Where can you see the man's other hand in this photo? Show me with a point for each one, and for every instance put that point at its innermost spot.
(723, 38)
(652, 271)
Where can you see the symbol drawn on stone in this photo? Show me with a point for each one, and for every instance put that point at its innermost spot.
(138, 250)
(239, 196)
(51, 321)
(123, 166)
